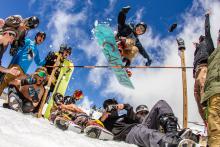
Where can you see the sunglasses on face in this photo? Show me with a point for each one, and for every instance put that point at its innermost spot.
(42, 74)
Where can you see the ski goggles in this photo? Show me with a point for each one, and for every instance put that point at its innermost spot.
(42, 74)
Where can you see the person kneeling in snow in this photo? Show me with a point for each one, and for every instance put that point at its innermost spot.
(25, 92)
(155, 129)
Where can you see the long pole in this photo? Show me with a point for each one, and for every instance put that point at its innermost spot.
(181, 47)
(185, 98)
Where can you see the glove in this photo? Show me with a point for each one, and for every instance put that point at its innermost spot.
(125, 9)
(148, 63)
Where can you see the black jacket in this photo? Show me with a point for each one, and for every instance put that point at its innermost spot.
(120, 126)
(204, 48)
(127, 30)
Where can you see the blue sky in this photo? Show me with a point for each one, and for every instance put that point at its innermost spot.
(72, 21)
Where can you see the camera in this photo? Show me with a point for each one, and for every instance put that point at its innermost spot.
(111, 108)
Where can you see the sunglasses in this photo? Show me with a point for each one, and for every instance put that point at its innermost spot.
(42, 74)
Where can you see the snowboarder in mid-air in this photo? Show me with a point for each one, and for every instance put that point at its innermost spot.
(127, 38)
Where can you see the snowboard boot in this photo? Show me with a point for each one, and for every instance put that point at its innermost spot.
(173, 140)
(168, 123)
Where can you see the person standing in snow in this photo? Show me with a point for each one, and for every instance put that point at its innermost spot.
(127, 38)
(24, 58)
(211, 97)
(6, 38)
(22, 26)
(51, 58)
(128, 128)
(204, 49)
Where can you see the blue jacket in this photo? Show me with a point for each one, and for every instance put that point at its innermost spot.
(26, 55)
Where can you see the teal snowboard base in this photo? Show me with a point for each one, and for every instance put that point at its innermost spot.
(106, 39)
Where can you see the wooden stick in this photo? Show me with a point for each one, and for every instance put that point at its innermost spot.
(184, 82)
(47, 88)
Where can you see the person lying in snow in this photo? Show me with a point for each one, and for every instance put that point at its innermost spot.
(157, 128)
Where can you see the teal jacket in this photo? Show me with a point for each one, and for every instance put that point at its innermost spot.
(26, 55)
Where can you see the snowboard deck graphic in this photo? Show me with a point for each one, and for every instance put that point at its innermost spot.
(98, 132)
(61, 84)
(106, 39)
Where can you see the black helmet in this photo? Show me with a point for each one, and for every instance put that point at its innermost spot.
(64, 47)
(142, 24)
(58, 98)
(32, 22)
(142, 108)
(108, 102)
(41, 34)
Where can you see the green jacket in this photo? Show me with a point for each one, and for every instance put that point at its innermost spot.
(212, 84)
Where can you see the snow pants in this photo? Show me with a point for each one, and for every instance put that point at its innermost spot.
(200, 78)
(214, 121)
(147, 134)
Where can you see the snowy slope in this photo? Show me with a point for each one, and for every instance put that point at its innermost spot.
(19, 130)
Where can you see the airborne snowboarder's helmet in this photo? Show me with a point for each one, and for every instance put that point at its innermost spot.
(142, 26)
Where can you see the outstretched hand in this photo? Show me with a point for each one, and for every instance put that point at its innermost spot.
(13, 71)
(208, 12)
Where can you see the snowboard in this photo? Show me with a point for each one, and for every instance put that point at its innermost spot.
(61, 84)
(106, 39)
(187, 143)
(64, 124)
(98, 132)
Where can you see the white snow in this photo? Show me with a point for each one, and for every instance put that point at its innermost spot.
(19, 130)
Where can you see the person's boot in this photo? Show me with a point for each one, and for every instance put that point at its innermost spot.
(173, 140)
(168, 122)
